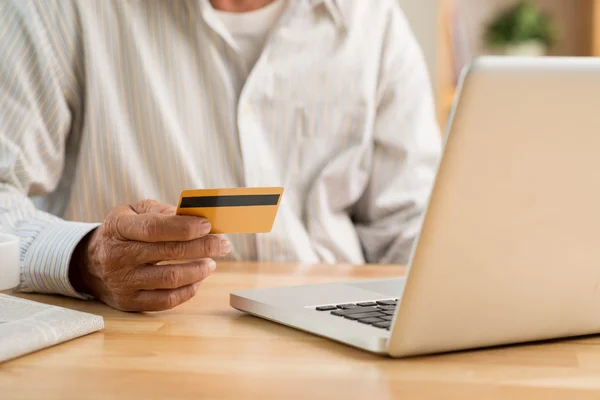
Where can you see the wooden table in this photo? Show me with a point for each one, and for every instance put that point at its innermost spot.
(205, 349)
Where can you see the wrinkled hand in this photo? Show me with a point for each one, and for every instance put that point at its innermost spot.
(118, 262)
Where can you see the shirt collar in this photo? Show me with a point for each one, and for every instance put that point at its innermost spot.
(334, 9)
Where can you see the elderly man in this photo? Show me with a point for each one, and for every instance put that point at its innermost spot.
(105, 103)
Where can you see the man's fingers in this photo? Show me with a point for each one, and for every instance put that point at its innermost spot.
(164, 299)
(151, 221)
(173, 276)
(155, 227)
(209, 246)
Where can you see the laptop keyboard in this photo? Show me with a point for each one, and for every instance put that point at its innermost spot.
(376, 313)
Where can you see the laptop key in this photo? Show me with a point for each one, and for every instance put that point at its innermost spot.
(389, 312)
(383, 325)
(367, 304)
(370, 320)
(346, 306)
(387, 302)
(326, 308)
(387, 317)
(364, 315)
(355, 310)
(387, 308)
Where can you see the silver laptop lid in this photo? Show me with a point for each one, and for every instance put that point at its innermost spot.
(510, 246)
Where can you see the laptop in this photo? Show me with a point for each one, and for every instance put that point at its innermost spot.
(509, 247)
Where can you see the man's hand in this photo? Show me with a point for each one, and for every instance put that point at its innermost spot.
(117, 263)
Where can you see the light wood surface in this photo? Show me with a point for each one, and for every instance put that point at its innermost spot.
(205, 349)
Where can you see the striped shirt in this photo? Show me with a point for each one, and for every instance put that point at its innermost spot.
(104, 103)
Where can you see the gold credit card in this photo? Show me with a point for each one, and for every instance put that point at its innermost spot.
(235, 210)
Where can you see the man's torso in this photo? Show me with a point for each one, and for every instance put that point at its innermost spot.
(168, 105)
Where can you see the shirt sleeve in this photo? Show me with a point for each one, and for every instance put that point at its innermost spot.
(38, 90)
(407, 148)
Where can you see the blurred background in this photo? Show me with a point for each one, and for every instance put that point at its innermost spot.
(452, 32)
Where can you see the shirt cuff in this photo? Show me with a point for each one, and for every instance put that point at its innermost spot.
(45, 266)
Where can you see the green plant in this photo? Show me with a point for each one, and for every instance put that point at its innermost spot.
(520, 23)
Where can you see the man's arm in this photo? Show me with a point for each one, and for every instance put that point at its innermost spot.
(406, 150)
(117, 262)
(37, 91)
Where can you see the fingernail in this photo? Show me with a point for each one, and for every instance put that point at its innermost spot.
(205, 225)
(225, 246)
(212, 265)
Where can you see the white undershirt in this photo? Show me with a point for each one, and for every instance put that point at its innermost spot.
(251, 29)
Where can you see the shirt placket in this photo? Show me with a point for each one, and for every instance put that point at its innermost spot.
(257, 160)
(258, 165)
(244, 247)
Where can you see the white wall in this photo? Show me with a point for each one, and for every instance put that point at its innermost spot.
(422, 16)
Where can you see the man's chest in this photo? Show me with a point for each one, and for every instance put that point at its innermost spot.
(180, 88)
(164, 85)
